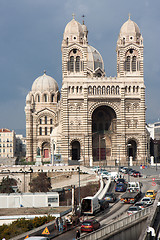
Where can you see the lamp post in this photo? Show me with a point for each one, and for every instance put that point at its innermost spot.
(119, 157)
(128, 146)
(79, 192)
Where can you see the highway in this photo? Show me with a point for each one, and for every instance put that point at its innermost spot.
(115, 211)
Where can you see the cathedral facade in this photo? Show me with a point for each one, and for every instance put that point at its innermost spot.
(96, 119)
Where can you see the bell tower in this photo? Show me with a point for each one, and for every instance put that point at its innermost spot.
(130, 50)
(74, 50)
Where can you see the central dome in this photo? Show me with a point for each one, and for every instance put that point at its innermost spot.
(45, 83)
(94, 59)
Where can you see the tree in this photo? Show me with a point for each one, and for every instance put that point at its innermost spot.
(6, 185)
(41, 183)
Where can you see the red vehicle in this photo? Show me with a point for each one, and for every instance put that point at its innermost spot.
(90, 225)
(136, 174)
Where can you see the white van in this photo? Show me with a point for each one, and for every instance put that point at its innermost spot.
(37, 238)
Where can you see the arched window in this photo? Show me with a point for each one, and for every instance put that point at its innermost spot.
(45, 130)
(77, 63)
(51, 121)
(71, 64)
(90, 90)
(108, 89)
(45, 119)
(38, 98)
(99, 90)
(45, 98)
(40, 121)
(134, 64)
(127, 64)
(40, 131)
(52, 98)
(103, 90)
(133, 88)
(94, 90)
(117, 90)
(112, 90)
(51, 130)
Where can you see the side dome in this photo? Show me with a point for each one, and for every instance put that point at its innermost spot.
(45, 83)
(73, 32)
(94, 59)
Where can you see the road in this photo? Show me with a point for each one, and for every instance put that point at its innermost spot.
(115, 211)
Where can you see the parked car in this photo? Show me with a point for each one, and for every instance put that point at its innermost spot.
(142, 205)
(120, 187)
(147, 200)
(151, 193)
(90, 225)
(110, 197)
(133, 209)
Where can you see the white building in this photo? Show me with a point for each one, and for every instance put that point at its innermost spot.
(154, 130)
(7, 143)
(97, 118)
(29, 200)
(20, 146)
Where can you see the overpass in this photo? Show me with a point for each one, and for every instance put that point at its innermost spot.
(143, 225)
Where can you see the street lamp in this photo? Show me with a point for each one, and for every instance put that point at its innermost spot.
(119, 157)
(128, 146)
(79, 192)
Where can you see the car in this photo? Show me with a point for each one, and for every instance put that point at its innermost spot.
(121, 180)
(124, 170)
(147, 200)
(142, 205)
(151, 193)
(120, 187)
(133, 209)
(110, 197)
(131, 173)
(137, 174)
(103, 204)
(90, 225)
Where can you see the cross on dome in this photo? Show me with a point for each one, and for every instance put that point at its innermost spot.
(129, 16)
(73, 15)
(83, 16)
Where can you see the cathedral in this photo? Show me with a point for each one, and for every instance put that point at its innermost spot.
(95, 119)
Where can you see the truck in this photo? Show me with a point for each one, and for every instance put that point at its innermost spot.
(132, 193)
(90, 205)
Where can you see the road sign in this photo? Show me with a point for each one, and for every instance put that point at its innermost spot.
(46, 231)
(153, 184)
(153, 179)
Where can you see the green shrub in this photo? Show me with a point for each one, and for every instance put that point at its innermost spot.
(22, 225)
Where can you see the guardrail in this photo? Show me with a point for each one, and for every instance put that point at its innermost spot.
(114, 227)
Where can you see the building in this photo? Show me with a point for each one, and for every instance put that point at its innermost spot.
(29, 200)
(98, 119)
(7, 143)
(20, 146)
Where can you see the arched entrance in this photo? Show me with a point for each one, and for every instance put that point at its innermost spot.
(132, 149)
(75, 150)
(46, 150)
(103, 128)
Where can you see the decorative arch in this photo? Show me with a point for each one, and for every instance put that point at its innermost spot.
(109, 104)
(132, 145)
(75, 146)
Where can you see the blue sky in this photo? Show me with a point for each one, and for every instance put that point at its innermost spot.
(31, 33)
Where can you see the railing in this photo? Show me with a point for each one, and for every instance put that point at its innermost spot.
(114, 227)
